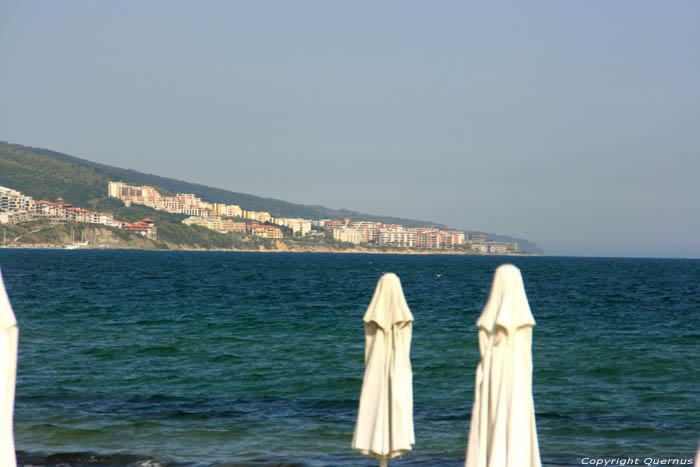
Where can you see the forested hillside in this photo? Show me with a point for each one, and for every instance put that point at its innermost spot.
(46, 175)
(276, 207)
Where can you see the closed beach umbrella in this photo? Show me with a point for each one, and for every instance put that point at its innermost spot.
(384, 427)
(8, 367)
(502, 431)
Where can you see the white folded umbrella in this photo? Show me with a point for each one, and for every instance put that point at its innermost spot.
(384, 427)
(8, 369)
(502, 431)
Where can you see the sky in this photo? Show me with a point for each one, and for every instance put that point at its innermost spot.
(575, 125)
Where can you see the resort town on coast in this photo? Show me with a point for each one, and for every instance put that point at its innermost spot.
(16, 207)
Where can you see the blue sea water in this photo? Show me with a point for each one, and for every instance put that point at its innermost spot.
(252, 359)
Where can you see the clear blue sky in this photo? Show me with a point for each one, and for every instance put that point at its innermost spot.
(575, 124)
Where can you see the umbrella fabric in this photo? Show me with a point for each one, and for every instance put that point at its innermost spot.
(502, 431)
(384, 427)
(8, 367)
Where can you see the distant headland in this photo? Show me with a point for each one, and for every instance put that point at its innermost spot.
(52, 200)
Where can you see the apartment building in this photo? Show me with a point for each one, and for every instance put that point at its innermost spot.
(231, 226)
(146, 227)
(347, 234)
(458, 238)
(301, 226)
(15, 217)
(182, 203)
(16, 205)
(333, 224)
(208, 222)
(260, 216)
(480, 247)
(48, 209)
(497, 248)
(369, 230)
(397, 236)
(228, 210)
(477, 237)
(14, 201)
(145, 195)
(265, 231)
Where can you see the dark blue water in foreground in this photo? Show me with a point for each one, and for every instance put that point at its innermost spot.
(257, 359)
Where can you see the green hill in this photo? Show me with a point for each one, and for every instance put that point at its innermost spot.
(45, 175)
(94, 174)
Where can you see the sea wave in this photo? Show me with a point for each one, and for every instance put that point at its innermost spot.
(66, 459)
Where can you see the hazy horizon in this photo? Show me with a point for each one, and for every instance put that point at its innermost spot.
(572, 125)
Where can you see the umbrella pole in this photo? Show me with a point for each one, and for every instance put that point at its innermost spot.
(382, 462)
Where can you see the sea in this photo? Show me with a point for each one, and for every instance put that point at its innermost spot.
(172, 358)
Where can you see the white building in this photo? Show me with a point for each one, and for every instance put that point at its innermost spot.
(14, 217)
(396, 235)
(346, 234)
(369, 230)
(260, 216)
(148, 196)
(302, 226)
(14, 201)
(209, 222)
(230, 210)
(497, 248)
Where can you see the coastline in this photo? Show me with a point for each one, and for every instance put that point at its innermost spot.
(280, 249)
(52, 236)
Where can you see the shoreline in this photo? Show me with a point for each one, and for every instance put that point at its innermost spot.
(277, 250)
